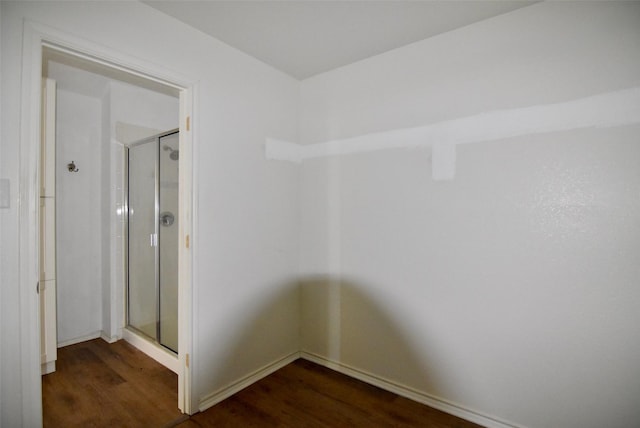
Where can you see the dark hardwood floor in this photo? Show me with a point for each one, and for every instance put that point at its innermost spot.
(102, 385)
(304, 394)
(97, 384)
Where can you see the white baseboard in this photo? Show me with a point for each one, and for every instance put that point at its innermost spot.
(46, 368)
(96, 334)
(410, 393)
(91, 336)
(153, 350)
(226, 392)
(108, 339)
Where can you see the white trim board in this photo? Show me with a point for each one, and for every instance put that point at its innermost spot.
(95, 335)
(617, 108)
(153, 350)
(110, 339)
(85, 338)
(214, 398)
(410, 393)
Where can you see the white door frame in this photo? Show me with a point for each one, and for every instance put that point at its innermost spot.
(35, 37)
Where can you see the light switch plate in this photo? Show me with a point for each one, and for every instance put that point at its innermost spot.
(4, 192)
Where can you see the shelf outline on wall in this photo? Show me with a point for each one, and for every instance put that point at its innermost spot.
(606, 110)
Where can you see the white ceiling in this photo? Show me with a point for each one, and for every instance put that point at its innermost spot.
(304, 38)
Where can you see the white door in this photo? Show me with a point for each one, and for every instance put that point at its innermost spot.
(47, 283)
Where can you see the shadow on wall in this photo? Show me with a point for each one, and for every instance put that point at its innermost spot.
(267, 333)
(344, 321)
(339, 322)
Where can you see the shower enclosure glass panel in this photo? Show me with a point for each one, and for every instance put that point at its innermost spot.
(168, 233)
(152, 297)
(142, 295)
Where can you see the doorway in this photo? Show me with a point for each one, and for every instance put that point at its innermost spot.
(37, 41)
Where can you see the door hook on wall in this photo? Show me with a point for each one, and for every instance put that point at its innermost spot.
(72, 167)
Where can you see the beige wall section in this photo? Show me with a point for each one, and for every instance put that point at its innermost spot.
(510, 290)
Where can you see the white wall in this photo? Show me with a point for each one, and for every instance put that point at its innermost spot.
(142, 107)
(512, 289)
(9, 258)
(246, 207)
(2, 253)
(78, 216)
(108, 274)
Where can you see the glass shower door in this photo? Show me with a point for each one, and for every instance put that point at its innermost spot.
(152, 296)
(168, 233)
(142, 294)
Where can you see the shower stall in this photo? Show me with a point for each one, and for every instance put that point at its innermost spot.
(152, 239)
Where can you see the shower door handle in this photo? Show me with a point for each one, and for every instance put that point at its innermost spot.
(153, 239)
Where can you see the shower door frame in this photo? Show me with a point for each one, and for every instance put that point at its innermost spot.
(148, 140)
(36, 36)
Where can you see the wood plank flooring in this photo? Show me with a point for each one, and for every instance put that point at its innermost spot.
(97, 384)
(100, 385)
(304, 394)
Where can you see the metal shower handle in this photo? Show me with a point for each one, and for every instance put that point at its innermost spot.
(166, 219)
